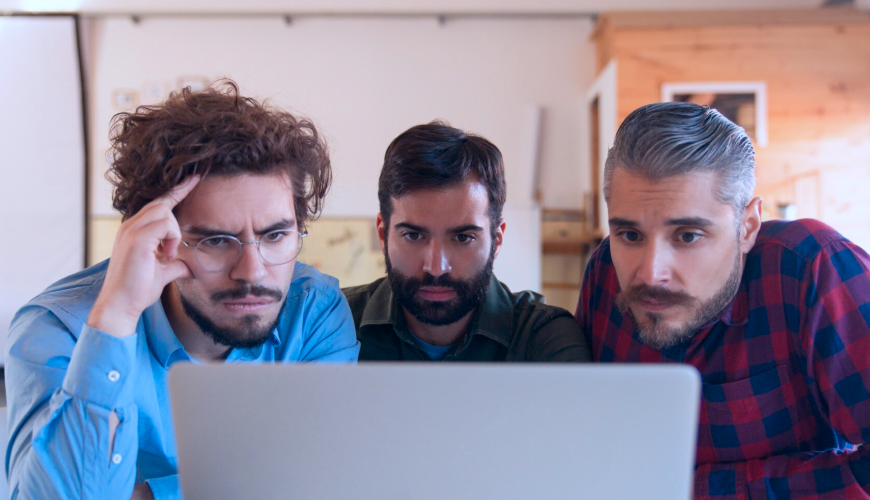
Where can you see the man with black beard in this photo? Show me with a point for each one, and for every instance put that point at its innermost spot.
(215, 189)
(774, 315)
(441, 195)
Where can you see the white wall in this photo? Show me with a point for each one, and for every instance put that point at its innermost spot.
(364, 81)
(42, 164)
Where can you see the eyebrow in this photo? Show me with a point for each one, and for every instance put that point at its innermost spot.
(206, 231)
(412, 227)
(617, 221)
(465, 228)
(281, 224)
(680, 221)
(689, 221)
(454, 230)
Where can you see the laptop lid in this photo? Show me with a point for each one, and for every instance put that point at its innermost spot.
(435, 431)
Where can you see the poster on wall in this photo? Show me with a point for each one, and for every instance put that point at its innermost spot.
(744, 103)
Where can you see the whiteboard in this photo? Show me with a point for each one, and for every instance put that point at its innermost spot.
(42, 193)
(519, 83)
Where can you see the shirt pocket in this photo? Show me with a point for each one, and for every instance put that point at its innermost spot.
(747, 419)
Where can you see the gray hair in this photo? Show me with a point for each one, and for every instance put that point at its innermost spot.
(661, 140)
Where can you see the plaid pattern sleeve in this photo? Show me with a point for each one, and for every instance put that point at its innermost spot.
(785, 368)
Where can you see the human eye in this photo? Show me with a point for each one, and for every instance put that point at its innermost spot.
(465, 238)
(215, 242)
(275, 236)
(688, 237)
(412, 236)
(629, 236)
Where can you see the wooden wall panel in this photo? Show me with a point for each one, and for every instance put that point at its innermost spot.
(818, 87)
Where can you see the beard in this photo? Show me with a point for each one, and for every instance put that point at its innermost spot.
(469, 292)
(651, 327)
(251, 333)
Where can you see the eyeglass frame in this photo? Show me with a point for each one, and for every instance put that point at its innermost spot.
(302, 235)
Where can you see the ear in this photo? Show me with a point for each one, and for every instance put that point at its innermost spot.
(382, 231)
(499, 237)
(750, 224)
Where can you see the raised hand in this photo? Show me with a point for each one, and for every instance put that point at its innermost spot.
(143, 262)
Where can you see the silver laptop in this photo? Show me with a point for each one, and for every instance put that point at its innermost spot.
(435, 431)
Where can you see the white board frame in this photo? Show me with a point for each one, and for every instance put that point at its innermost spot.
(604, 90)
(43, 203)
(669, 90)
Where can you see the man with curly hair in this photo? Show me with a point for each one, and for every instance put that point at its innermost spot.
(215, 190)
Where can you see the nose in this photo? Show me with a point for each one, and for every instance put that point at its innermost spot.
(436, 261)
(655, 265)
(250, 268)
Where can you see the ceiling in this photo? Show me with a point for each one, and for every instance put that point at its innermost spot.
(393, 7)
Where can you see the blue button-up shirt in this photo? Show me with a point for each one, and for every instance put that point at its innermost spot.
(64, 379)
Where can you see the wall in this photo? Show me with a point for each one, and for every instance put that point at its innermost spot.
(817, 68)
(364, 81)
(42, 200)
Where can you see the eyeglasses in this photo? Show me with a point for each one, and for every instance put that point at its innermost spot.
(222, 252)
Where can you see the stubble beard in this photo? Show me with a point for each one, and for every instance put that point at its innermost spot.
(652, 328)
(470, 292)
(252, 331)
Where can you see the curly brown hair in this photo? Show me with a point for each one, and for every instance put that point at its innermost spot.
(214, 132)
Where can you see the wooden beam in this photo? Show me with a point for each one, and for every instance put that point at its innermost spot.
(685, 19)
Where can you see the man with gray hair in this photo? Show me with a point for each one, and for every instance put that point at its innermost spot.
(775, 315)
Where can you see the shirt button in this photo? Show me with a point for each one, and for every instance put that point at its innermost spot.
(114, 376)
(116, 458)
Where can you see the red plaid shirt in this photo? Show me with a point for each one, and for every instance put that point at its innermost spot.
(785, 367)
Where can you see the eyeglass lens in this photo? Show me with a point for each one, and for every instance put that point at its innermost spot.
(220, 253)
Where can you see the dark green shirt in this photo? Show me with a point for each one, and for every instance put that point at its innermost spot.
(506, 327)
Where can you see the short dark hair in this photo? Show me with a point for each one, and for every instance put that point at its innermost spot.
(436, 155)
(215, 132)
(665, 139)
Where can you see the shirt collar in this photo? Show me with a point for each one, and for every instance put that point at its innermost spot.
(161, 338)
(495, 316)
(252, 353)
(493, 319)
(736, 313)
(379, 309)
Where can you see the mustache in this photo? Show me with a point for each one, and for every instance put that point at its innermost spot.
(243, 291)
(657, 294)
(443, 281)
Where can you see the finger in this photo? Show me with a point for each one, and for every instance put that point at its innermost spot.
(162, 235)
(157, 208)
(149, 213)
(179, 192)
(172, 270)
(172, 239)
(169, 248)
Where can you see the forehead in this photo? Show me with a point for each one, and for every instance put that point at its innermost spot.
(640, 199)
(465, 203)
(234, 201)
